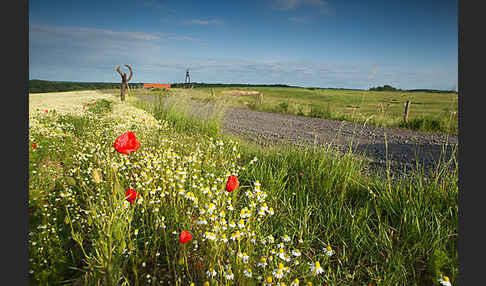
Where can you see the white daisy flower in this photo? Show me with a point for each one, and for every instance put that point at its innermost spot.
(328, 251)
(296, 252)
(209, 235)
(247, 272)
(262, 262)
(241, 224)
(201, 221)
(279, 272)
(270, 239)
(444, 280)
(316, 268)
(229, 274)
(211, 272)
(224, 238)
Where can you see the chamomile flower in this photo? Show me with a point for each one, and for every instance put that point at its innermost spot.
(282, 255)
(286, 238)
(211, 272)
(316, 268)
(201, 221)
(296, 252)
(228, 274)
(241, 224)
(247, 272)
(279, 272)
(270, 239)
(224, 238)
(244, 257)
(328, 251)
(444, 280)
(262, 262)
(235, 235)
(268, 281)
(232, 224)
(209, 235)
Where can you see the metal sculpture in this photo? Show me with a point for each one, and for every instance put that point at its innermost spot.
(125, 81)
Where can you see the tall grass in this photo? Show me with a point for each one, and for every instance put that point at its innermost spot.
(180, 114)
(393, 230)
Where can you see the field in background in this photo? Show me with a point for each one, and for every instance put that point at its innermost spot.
(428, 111)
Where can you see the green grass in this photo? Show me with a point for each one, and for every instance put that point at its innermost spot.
(384, 231)
(412, 221)
(373, 107)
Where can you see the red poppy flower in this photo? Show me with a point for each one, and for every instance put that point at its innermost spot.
(34, 145)
(47, 110)
(232, 183)
(88, 104)
(185, 236)
(84, 107)
(126, 143)
(131, 195)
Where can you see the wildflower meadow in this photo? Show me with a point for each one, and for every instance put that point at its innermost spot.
(119, 196)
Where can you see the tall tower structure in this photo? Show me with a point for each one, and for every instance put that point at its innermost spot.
(188, 78)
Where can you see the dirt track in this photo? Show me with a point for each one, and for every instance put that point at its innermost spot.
(402, 147)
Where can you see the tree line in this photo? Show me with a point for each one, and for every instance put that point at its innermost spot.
(41, 86)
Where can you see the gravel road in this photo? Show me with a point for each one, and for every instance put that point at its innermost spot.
(402, 147)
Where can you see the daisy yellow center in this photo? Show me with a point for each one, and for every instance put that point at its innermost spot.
(296, 281)
(329, 248)
(280, 266)
(318, 265)
(446, 278)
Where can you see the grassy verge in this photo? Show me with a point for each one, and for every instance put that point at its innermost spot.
(292, 206)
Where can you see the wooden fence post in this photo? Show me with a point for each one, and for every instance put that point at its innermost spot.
(405, 115)
(260, 97)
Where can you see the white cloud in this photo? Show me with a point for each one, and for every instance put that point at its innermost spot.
(202, 22)
(288, 5)
(94, 33)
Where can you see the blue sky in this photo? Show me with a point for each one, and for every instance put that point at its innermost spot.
(310, 43)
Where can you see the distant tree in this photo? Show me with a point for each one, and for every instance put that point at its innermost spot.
(386, 87)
